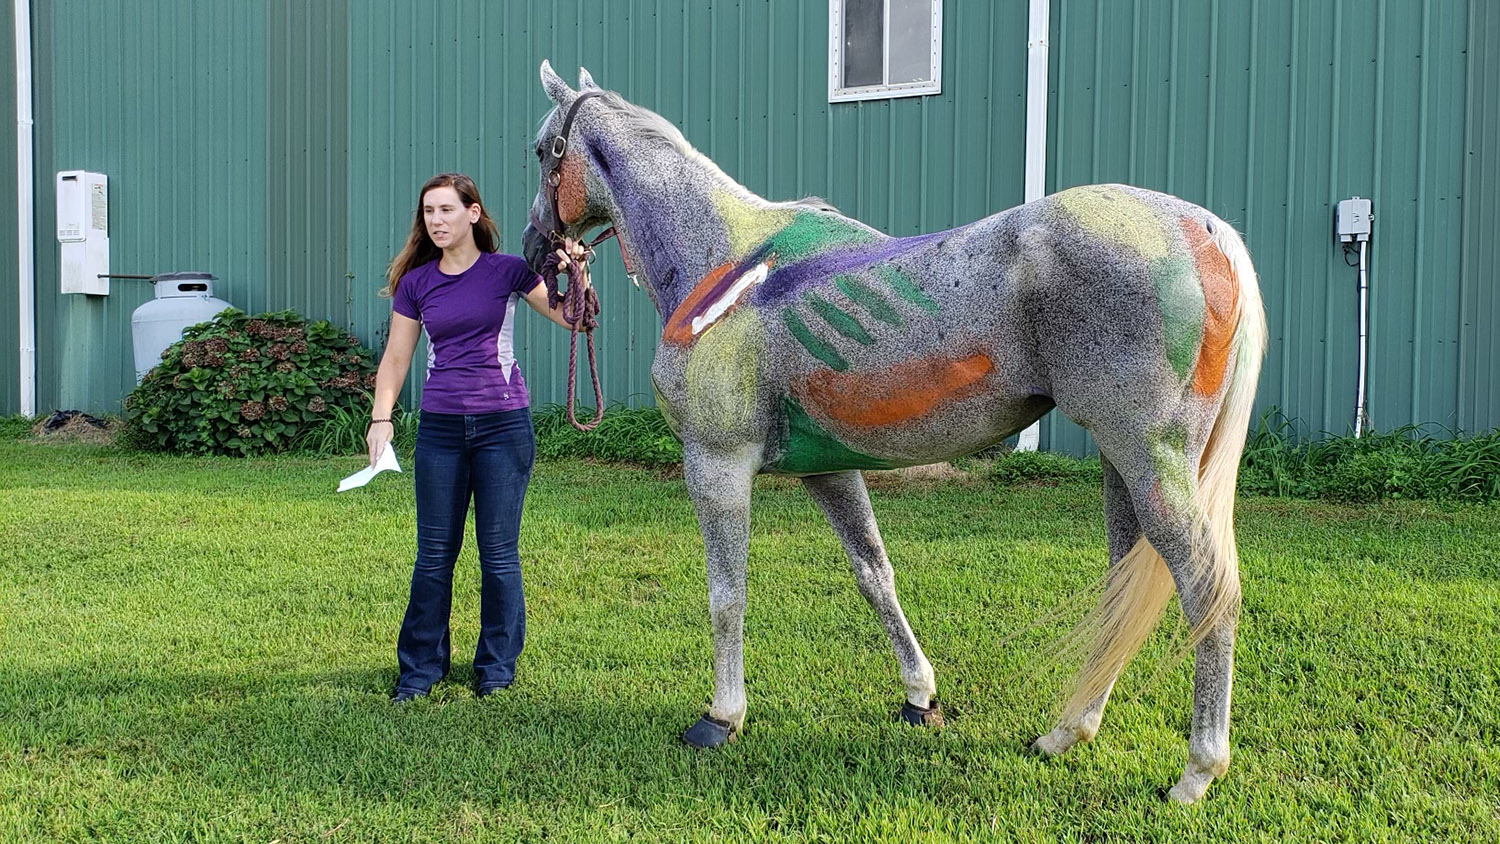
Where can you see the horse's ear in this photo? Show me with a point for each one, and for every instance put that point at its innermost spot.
(557, 90)
(586, 82)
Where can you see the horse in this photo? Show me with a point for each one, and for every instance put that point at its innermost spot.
(801, 342)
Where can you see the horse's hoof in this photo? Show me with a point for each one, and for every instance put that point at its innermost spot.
(708, 732)
(916, 716)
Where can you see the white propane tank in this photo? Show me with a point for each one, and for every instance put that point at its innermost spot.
(182, 299)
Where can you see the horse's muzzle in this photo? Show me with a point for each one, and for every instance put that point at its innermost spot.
(534, 248)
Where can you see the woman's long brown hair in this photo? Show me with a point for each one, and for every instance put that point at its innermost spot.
(420, 249)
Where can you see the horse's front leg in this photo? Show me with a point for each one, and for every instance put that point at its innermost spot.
(719, 484)
(845, 501)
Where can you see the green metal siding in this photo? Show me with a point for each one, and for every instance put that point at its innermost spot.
(280, 145)
(169, 100)
(1268, 113)
(457, 89)
(307, 156)
(10, 314)
(1479, 275)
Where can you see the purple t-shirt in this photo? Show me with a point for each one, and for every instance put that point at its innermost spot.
(470, 322)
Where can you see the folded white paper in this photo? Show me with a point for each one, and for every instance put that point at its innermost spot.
(387, 460)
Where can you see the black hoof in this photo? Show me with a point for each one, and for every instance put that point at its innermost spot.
(916, 716)
(708, 732)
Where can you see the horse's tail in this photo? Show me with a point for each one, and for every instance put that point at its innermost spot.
(1139, 586)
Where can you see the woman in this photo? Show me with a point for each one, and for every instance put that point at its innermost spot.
(475, 436)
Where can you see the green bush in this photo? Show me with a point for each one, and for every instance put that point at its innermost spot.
(1404, 463)
(243, 385)
(627, 434)
(1040, 467)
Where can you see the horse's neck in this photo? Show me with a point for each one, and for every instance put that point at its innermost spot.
(670, 213)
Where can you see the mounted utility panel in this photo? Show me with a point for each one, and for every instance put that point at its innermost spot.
(83, 232)
(1352, 219)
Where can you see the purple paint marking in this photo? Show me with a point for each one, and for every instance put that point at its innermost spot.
(786, 282)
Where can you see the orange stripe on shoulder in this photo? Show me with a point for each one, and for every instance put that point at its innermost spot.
(679, 329)
(1221, 291)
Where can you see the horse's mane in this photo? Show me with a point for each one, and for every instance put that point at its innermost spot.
(646, 125)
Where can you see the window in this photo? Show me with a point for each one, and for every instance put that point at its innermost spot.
(880, 49)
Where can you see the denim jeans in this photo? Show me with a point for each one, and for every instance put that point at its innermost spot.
(486, 457)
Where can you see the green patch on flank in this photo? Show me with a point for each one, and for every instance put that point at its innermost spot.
(1169, 459)
(842, 323)
(810, 341)
(868, 298)
(810, 449)
(905, 288)
(811, 232)
(1180, 298)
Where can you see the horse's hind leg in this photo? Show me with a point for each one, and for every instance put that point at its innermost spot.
(1179, 539)
(1164, 487)
(844, 500)
(1123, 531)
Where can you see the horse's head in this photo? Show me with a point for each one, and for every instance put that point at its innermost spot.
(570, 200)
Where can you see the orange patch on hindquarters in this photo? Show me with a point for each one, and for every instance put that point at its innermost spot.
(1221, 291)
(571, 192)
(903, 392)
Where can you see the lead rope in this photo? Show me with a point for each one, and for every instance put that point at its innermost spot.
(581, 310)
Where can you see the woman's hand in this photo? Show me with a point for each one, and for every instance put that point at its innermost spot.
(377, 437)
(571, 259)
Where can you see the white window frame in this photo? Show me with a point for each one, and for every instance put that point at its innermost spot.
(838, 94)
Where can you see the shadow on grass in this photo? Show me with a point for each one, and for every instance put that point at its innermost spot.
(337, 733)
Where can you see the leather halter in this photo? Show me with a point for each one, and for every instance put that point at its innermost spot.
(557, 150)
(578, 310)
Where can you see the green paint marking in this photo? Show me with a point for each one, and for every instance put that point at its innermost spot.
(905, 288)
(1169, 459)
(820, 350)
(1180, 298)
(841, 322)
(812, 232)
(810, 449)
(868, 298)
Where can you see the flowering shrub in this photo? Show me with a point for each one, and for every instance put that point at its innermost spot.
(243, 384)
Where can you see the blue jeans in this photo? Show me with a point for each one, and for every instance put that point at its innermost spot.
(486, 457)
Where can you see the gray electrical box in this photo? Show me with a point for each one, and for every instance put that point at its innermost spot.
(1352, 220)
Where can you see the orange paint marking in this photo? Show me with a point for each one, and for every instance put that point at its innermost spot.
(903, 392)
(571, 193)
(1221, 291)
(679, 329)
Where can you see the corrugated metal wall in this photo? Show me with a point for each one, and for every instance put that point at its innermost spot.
(280, 145)
(1268, 113)
(1479, 274)
(745, 80)
(10, 372)
(169, 100)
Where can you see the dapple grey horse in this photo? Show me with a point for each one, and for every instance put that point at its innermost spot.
(801, 342)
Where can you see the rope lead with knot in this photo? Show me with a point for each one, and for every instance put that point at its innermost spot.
(580, 309)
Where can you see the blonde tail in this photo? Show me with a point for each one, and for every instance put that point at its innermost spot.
(1139, 586)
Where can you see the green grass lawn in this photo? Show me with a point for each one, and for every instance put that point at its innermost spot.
(201, 650)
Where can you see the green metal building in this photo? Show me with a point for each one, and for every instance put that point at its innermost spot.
(279, 145)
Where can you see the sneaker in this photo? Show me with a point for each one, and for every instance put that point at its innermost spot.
(490, 688)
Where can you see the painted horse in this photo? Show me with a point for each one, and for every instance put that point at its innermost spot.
(801, 342)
